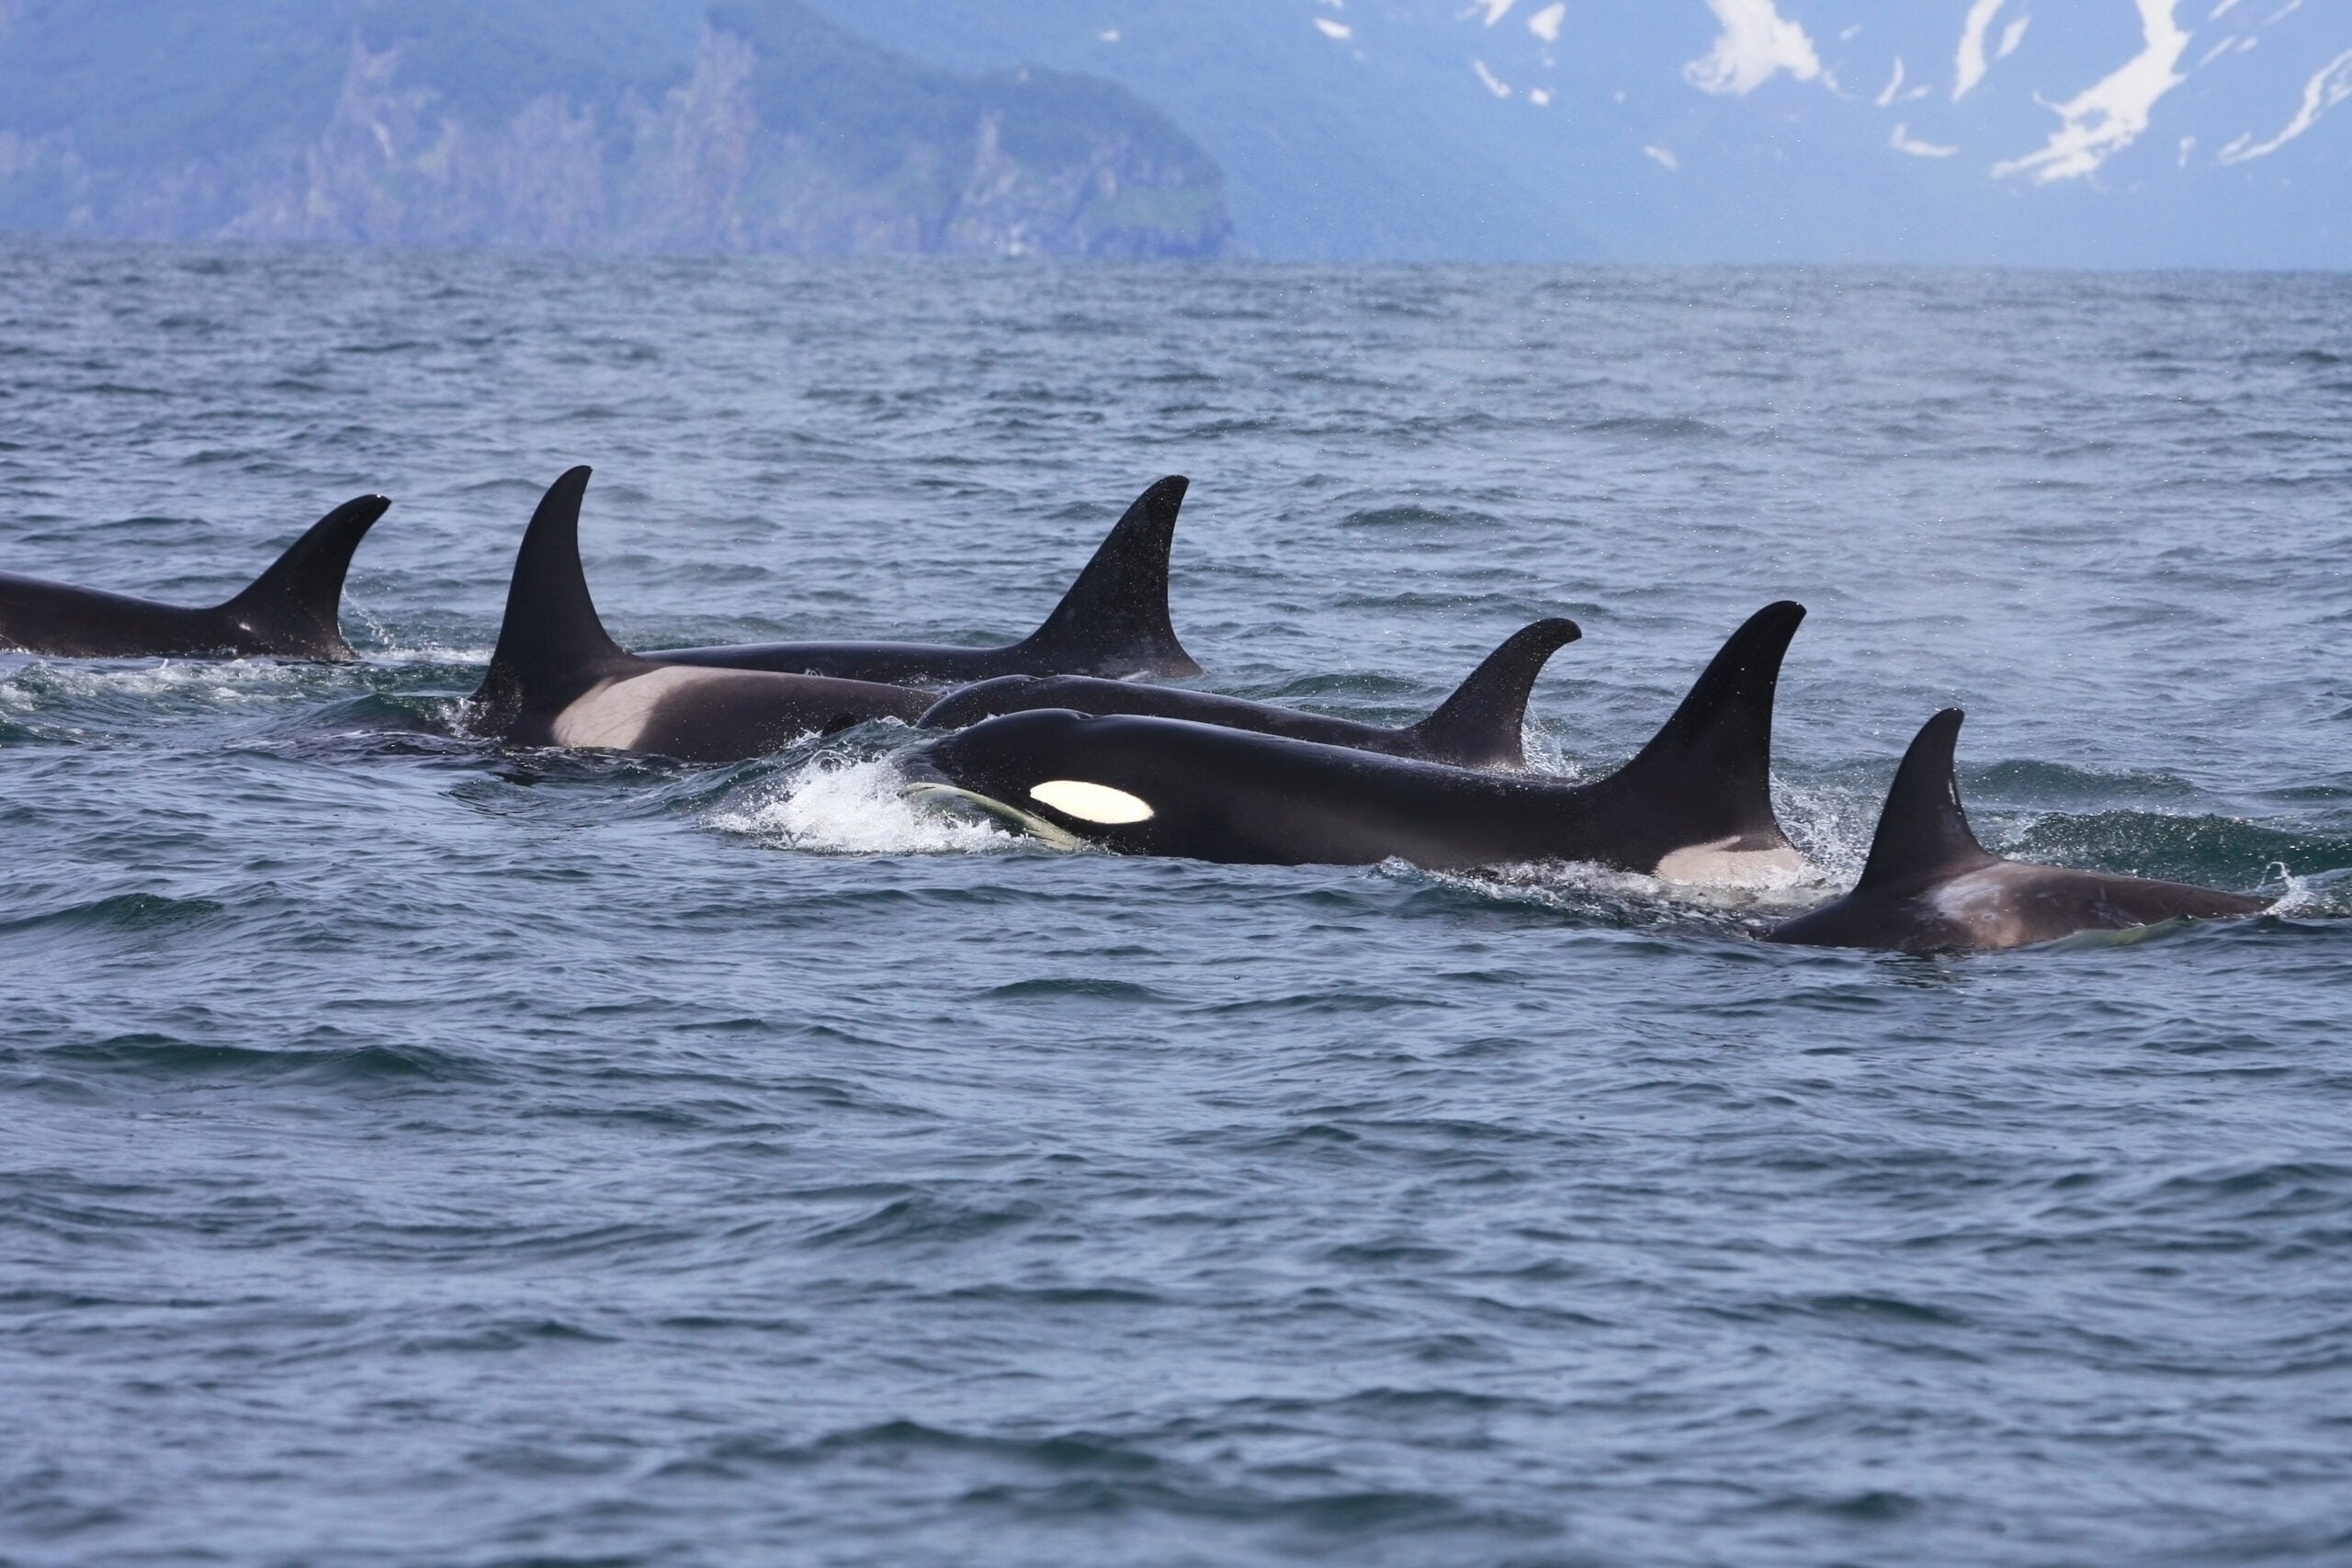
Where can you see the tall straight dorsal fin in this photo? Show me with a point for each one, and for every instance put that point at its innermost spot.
(1711, 764)
(1114, 620)
(1923, 831)
(296, 605)
(552, 646)
(1479, 725)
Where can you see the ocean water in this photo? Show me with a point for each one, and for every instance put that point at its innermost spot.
(417, 1153)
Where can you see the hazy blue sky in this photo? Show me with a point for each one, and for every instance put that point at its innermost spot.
(2089, 132)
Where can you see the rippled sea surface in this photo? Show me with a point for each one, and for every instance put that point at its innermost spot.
(412, 1153)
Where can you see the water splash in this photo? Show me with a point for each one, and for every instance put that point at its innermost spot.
(837, 803)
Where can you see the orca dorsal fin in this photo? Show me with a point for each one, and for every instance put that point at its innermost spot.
(1113, 621)
(1923, 831)
(295, 606)
(1711, 764)
(1479, 725)
(552, 646)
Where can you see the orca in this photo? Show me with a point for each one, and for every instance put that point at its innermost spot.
(1693, 805)
(290, 612)
(1931, 887)
(1479, 726)
(1112, 622)
(557, 679)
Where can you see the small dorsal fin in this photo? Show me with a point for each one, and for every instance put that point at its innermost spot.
(1479, 725)
(295, 606)
(552, 646)
(1923, 832)
(1711, 764)
(1113, 621)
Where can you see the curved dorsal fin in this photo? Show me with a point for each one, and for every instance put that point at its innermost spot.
(1479, 725)
(1923, 832)
(294, 605)
(552, 646)
(1711, 764)
(1114, 620)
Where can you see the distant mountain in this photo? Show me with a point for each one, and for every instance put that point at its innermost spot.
(2092, 133)
(754, 125)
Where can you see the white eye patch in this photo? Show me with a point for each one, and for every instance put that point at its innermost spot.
(1090, 802)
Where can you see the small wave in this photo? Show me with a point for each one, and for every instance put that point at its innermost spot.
(164, 1056)
(1412, 516)
(2214, 851)
(124, 912)
(1655, 429)
(836, 803)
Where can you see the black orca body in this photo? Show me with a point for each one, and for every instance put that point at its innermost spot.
(1479, 726)
(290, 612)
(1931, 887)
(1112, 622)
(1694, 806)
(556, 679)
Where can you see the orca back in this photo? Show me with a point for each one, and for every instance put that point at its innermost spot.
(291, 611)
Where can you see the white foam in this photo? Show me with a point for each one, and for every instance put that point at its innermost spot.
(1572, 884)
(2012, 36)
(1663, 158)
(1494, 85)
(1331, 29)
(1498, 9)
(1546, 23)
(1756, 44)
(1968, 64)
(2109, 115)
(835, 804)
(2330, 87)
(223, 680)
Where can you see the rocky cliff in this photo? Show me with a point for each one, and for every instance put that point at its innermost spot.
(522, 122)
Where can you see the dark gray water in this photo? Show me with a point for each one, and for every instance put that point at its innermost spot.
(412, 1153)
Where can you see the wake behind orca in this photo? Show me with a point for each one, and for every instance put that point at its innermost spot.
(556, 678)
(1479, 726)
(1694, 805)
(291, 611)
(1112, 622)
(1931, 887)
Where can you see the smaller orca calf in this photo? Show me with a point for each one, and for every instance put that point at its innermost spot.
(1694, 806)
(1112, 622)
(1931, 887)
(290, 612)
(557, 679)
(1479, 726)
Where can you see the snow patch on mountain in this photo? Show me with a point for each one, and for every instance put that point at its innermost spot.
(1903, 141)
(2322, 93)
(1968, 64)
(2109, 116)
(1756, 44)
